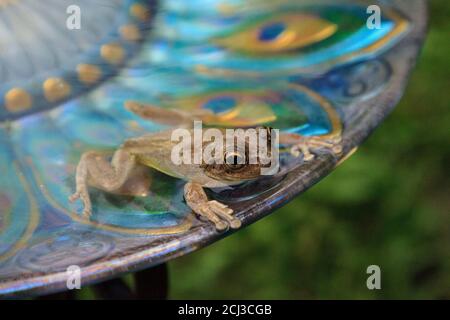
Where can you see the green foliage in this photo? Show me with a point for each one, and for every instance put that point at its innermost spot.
(388, 205)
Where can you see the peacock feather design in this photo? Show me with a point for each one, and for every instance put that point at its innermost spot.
(280, 63)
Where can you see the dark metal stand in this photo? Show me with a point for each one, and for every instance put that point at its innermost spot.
(153, 283)
(115, 289)
(150, 284)
(66, 295)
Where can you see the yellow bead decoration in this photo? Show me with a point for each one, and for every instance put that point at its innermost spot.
(140, 11)
(56, 89)
(130, 32)
(113, 53)
(88, 73)
(17, 100)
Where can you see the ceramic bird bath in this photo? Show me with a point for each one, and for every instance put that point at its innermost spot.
(315, 68)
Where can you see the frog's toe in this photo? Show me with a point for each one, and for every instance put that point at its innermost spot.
(297, 150)
(206, 211)
(235, 224)
(87, 212)
(337, 149)
(308, 156)
(308, 146)
(225, 213)
(74, 197)
(219, 214)
(84, 196)
(221, 225)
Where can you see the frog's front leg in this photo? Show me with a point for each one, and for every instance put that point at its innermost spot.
(305, 144)
(214, 211)
(95, 170)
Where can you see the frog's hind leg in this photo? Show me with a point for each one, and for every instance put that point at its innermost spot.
(214, 211)
(166, 116)
(95, 170)
(137, 184)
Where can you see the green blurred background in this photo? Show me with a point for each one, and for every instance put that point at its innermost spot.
(388, 205)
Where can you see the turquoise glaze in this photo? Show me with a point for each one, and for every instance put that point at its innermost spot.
(178, 57)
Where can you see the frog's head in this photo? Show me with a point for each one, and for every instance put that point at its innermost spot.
(237, 166)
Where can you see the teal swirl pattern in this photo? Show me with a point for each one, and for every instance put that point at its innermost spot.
(62, 93)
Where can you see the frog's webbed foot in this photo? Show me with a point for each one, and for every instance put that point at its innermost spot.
(216, 212)
(305, 145)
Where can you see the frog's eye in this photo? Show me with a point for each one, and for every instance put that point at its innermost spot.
(234, 160)
(280, 33)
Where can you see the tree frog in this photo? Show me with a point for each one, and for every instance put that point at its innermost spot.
(125, 172)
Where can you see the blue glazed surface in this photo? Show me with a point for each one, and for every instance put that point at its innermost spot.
(177, 64)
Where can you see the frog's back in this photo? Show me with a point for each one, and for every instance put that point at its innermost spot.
(155, 151)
